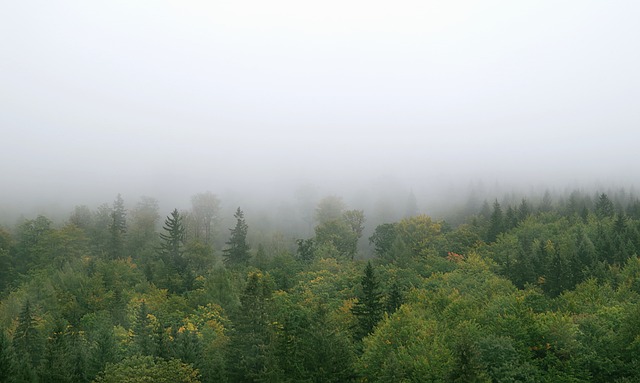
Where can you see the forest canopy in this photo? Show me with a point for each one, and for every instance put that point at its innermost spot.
(517, 289)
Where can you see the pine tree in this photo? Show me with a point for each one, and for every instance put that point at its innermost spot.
(523, 210)
(58, 357)
(496, 223)
(172, 246)
(143, 332)
(7, 359)
(604, 207)
(368, 309)
(411, 207)
(251, 336)
(27, 343)
(237, 252)
(546, 204)
(117, 228)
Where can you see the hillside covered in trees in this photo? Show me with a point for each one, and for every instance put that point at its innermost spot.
(528, 290)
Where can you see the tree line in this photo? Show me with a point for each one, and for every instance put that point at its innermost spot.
(524, 292)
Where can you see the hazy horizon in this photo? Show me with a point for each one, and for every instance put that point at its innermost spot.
(251, 100)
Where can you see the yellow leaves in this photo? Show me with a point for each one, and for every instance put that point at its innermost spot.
(347, 305)
(419, 232)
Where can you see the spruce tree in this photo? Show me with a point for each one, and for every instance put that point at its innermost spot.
(172, 246)
(58, 363)
(604, 207)
(237, 252)
(27, 343)
(368, 309)
(7, 359)
(250, 338)
(117, 228)
(496, 223)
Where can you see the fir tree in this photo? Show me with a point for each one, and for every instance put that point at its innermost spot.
(143, 332)
(117, 228)
(58, 360)
(368, 309)
(237, 252)
(7, 359)
(251, 336)
(496, 223)
(604, 207)
(523, 210)
(26, 339)
(172, 244)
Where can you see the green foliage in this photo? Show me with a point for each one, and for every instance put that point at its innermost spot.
(8, 362)
(552, 296)
(251, 338)
(143, 369)
(419, 233)
(237, 251)
(406, 347)
(205, 214)
(496, 223)
(369, 307)
(174, 275)
(383, 238)
(306, 249)
(329, 209)
(117, 229)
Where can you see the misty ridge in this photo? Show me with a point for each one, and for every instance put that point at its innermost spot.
(293, 214)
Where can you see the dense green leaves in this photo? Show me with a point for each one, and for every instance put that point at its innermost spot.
(526, 292)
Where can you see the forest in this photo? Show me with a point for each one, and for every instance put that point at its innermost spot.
(518, 289)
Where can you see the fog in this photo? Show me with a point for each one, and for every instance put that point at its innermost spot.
(256, 101)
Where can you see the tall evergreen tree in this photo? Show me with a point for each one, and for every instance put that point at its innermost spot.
(237, 251)
(250, 339)
(117, 228)
(143, 332)
(523, 210)
(411, 207)
(604, 207)
(7, 359)
(172, 246)
(369, 308)
(496, 223)
(546, 204)
(58, 360)
(27, 343)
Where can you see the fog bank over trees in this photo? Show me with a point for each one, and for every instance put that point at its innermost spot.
(363, 100)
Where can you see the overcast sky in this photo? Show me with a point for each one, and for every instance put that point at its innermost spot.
(101, 97)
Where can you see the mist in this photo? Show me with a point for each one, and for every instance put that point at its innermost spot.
(370, 101)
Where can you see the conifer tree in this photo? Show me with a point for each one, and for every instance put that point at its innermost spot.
(368, 309)
(7, 359)
(237, 252)
(117, 228)
(251, 335)
(27, 343)
(58, 363)
(496, 223)
(604, 207)
(172, 246)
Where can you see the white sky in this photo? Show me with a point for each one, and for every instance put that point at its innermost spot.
(137, 95)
